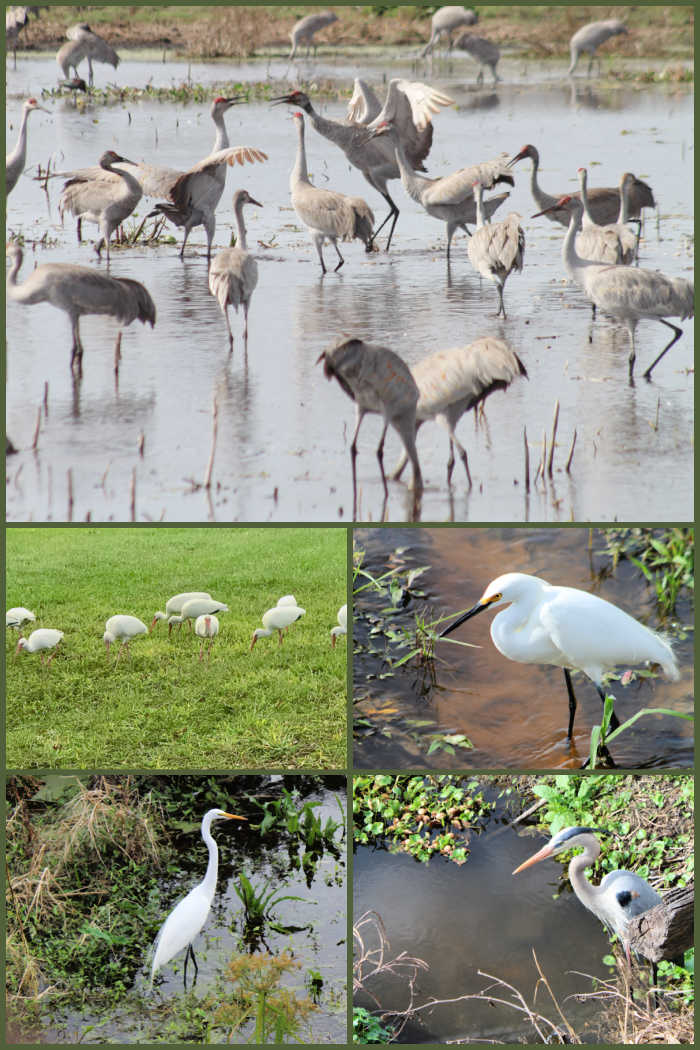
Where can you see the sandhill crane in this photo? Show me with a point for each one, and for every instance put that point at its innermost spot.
(174, 605)
(450, 382)
(624, 293)
(626, 242)
(16, 18)
(39, 641)
(198, 607)
(483, 51)
(445, 20)
(104, 201)
(410, 105)
(122, 629)
(84, 43)
(604, 201)
(377, 380)
(277, 619)
(342, 627)
(303, 31)
(364, 104)
(327, 215)
(14, 161)
(451, 197)
(79, 290)
(233, 275)
(495, 250)
(206, 626)
(17, 616)
(588, 38)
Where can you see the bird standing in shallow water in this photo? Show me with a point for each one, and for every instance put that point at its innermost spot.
(568, 628)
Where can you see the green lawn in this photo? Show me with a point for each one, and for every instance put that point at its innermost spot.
(161, 708)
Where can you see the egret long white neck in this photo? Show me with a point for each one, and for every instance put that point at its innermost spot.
(209, 881)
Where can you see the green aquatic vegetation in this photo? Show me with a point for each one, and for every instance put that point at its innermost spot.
(666, 558)
(259, 1001)
(300, 822)
(258, 903)
(366, 1028)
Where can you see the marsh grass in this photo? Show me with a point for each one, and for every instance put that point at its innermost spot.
(160, 707)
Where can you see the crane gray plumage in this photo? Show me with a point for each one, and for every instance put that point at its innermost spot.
(603, 201)
(233, 275)
(16, 18)
(104, 201)
(79, 290)
(303, 31)
(627, 294)
(410, 105)
(451, 382)
(83, 43)
(446, 20)
(449, 198)
(15, 161)
(483, 51)
(626, 240)
(364, 104)
(621, 894)
(496, 250)
(594, 242)
(589, 37)
(378, 381)
(327, 215)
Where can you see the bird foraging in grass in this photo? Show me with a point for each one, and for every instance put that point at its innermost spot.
(39, 642)
(277, 619)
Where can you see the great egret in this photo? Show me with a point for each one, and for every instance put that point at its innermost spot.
(277, 619)
(38, 641)
(568, 628)
(188, 916)
(620, 896)
(342, 627)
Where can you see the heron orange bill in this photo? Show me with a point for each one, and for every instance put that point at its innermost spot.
(541, 854)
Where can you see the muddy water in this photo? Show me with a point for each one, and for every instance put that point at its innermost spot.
(460, 920)
(514, 714)
(284, 432)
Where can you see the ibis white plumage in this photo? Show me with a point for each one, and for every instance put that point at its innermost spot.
(195, 607)
(206, 627)
(277, 619)
(123, 629)
(17, 616)
(174, 605)
(342, 627)
(39, 641)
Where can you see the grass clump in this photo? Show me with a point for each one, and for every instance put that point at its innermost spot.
(666, 557)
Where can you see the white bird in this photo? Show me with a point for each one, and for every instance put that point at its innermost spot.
(589, 37)
(189, 915)
(377, 380)
(483, 51)
(327, 214)
(304, 30)
(175, 604)
(342, 627)
(14, 161)
(233, 274)
(123, 629)
(287, 599)
(411, 106)
(38, 641)
(79, 290)
(450, 382)
(82, 43)
(17, 616)
(195, 607)
(627, 294)
(277, 619)
(449, 198)
(104, 201)
(445, 20)
(496, 249)
(568, 628)
(621, 894)
(603, 201)
(625, 242)
(206, 627)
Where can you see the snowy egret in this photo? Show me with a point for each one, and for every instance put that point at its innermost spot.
(620, 896)
(277, 619)
(188, 916)
(174, 605)
(123, 628)
(206, 627)
(44, 638)
(342, 627)
(17, 616)
(568, 628)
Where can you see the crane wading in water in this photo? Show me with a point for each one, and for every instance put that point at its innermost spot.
(589, 38)
(104, 201)
(14, 161)
(567, 628)
(233, 274)
(445, 20)
(304, 30)
(496, 249)
(621, 894)
(82, 43)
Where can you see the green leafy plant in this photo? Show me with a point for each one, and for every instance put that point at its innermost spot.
(258, 902)
(366, 1028)
(259, 1000)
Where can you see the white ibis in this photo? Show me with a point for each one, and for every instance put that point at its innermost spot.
(39, 641)
(195, 607)
(287, 599)
(206, 627)
(123, 629)
(174, 605)
(17, 616)
(277, 619)
(342, 627)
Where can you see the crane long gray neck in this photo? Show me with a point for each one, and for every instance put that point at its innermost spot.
(412, 183)
(479, 198)
(583, 179)
(568, 251)
(240, 222)
(300, 171)
(15, 264)
(22, 137)
(221, 140)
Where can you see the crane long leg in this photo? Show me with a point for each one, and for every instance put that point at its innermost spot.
(230, 333)
(501, 308)
(463, 455)
(318, 241)
(407, 433)
(572, 702)
(678, 332)
(77, 349)
(393, 212)
(380, 457)
(353, 457)
(342, 260)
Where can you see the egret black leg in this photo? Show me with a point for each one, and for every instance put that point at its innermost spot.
(614, 723)
(572, 702)
(190, 953)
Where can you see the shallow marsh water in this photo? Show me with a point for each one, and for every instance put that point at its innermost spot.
(284, 432)
(515, 715)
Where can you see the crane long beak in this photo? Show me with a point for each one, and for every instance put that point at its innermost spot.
(514, 160)
(479, 607)
(542, 854)
(251, 200)
(279, 99)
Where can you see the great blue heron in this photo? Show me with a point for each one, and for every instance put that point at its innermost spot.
(567, 628)
(233, 274)
(496, 250)
(277, 619)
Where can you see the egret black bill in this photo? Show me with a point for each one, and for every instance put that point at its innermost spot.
(482, 604)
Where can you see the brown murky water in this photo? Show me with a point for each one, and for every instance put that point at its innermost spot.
(514, 714)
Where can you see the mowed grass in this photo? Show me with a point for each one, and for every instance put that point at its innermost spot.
(160, 708)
